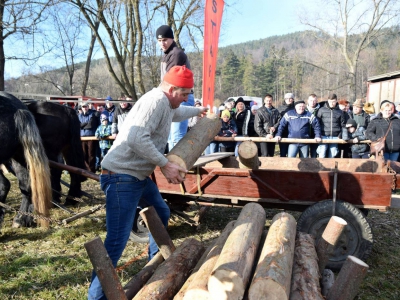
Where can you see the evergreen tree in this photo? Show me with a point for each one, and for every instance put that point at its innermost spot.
(230, 75)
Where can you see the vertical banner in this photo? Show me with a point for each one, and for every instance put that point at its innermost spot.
(212, 25)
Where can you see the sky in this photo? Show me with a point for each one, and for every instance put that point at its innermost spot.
(258, 19)
(243, 21)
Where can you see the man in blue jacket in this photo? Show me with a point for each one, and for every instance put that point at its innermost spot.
(297, 122)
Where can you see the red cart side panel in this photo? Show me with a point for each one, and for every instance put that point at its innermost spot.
(356, 188)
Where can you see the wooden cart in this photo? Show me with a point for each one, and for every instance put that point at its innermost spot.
(319, 187)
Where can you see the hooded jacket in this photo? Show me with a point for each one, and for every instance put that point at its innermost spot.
(378, 127)
(119, 117)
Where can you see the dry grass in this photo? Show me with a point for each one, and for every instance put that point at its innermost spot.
(53, 264)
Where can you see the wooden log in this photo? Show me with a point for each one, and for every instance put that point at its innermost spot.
(172, 273)
(104, 269)
(82, 214)
(248, 155)
(158, 231)
(284, 140)
(328, 240)
(182, 291)
(327, 280)
(232, 270)
(192, 145)
(305, 274)
(348, 280)
(274, 269)
(140, 279)
(198, 287)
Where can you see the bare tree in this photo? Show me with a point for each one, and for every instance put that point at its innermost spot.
(350, 26)
(124, 26)
(19, 20)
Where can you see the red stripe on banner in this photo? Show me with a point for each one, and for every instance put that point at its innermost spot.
(212, 26)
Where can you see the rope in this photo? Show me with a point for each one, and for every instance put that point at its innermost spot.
(131, 261)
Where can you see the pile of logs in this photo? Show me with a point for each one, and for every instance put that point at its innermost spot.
(245, 262)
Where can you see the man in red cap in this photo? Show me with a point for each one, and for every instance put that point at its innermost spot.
(137, 150)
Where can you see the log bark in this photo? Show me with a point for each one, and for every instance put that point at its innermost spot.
(158, 231)
(348, 280)
(327, 280)
(248, 156)
(232, 270)
(305, 274)
(274, 269)
(104, 269)
(192, 145)
(182, 291)
(198, 287)
(140, 279)
(171, 274)
(328, 240)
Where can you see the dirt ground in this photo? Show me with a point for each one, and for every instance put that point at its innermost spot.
(53, 264)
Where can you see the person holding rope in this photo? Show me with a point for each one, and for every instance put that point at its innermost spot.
(136, 152)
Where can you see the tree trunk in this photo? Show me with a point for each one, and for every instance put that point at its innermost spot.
(274, 269)
(182, 291)
(305, 277)
(328, 240)
(248, 155)
(198, 287)
(104, 269)
(193, 144)
(170, 275)
(158, 231)
(89, 60)
(231, 273)
(348, 280)
(140, 279)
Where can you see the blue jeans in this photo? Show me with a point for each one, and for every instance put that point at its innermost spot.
(313, 150)
(283, 149)
(179, 129)
(298, 148)
(391, 156)
(123, 193)
(212, 148)
(332, 149)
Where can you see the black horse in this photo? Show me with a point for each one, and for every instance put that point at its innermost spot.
(59, 128)
(21, 141)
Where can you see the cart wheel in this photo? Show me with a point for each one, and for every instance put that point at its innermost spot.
(139, 233)
(356, 239)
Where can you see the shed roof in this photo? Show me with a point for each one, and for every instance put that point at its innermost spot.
(382, 77)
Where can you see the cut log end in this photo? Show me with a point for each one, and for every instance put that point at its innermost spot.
(357, 261)
(197, 294)
(225, 284)
(339, 220)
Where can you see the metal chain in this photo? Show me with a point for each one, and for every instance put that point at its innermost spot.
(48, 219)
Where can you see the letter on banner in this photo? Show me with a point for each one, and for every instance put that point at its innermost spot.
(212, 25)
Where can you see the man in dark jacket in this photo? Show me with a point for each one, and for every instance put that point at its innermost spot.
(173, 56)
(119, 115)
(298, 123)
(89, 122)
(283, 109)
(266, 122)
(332, 121)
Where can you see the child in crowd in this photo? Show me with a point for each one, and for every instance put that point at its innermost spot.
(228, 129)
(357, 135)
(103, 131)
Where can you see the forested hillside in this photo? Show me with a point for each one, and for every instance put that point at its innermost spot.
(301, 62)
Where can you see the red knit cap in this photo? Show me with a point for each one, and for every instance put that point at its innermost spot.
(180, 76)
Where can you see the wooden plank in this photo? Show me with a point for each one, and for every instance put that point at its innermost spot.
(205, 159)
